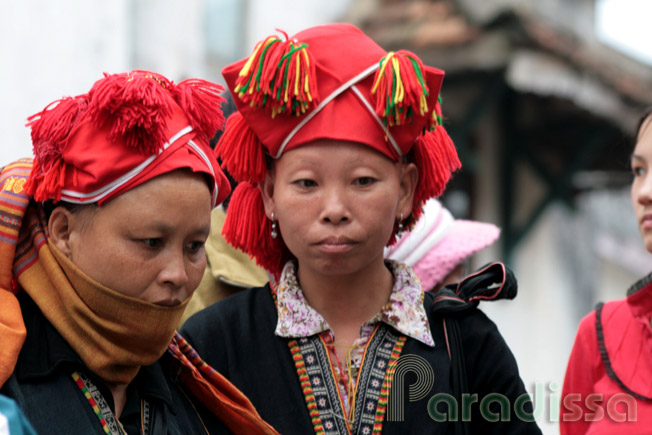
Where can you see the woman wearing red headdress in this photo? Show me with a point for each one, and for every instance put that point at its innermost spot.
(101, 246)
(336, 145)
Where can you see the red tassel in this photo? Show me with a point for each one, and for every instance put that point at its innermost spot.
(137, 105)
(202, 103)
(436, 158)
(280, 74)
(49, 130)
(247, 228)
(242, 153)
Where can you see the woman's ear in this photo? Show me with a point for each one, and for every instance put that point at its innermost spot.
(60, 227)
(409, 177)
(267, 192)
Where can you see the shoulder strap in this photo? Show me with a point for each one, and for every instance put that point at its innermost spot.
(491, 282)
(458, 378)
(605, 355)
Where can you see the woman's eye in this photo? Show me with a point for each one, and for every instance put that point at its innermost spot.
(153, 243)
(364, 181)
(638, 171)
(195, 247)
(305, 183)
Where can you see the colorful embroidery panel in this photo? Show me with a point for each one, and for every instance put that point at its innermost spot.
(316, 374)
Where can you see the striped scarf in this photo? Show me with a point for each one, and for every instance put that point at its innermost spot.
(21, 239)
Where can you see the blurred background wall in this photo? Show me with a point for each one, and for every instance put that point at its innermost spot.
(541, 98)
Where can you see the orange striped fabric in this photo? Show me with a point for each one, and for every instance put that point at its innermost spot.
(13, 206)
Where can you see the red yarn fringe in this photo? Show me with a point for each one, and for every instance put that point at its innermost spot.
(436, 159)
(202, 103)
(49, 130)
(137, 105)
(241, 151)
(247, 228)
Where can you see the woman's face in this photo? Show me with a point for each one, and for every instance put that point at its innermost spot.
(336, 203)
(147, 243)
(642, 184)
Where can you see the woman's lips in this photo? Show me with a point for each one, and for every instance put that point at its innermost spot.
(336, 245)
(646, 221)
(169, 302)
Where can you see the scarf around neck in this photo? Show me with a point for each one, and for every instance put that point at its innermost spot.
(112, 333)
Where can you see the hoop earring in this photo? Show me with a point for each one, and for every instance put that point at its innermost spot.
(274, 232)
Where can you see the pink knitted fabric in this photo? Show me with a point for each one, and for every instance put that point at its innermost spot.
(438, 243)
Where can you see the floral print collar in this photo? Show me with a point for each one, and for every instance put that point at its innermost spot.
(404, 311)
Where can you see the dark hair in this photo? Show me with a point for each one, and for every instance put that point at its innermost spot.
(49, 206)
(641, 120)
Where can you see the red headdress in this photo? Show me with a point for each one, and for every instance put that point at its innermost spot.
(327, 82)
(127, 129)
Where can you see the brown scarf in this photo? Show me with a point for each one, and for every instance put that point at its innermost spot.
(112, 333)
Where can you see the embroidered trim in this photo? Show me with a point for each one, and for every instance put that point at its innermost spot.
(320, 390)
(144, 416)
(387, 384)
(100, 407)
(304, 380)
(102, 410)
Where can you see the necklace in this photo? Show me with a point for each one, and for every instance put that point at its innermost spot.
(110, 424)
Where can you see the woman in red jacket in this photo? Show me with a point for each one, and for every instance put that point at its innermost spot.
(608, 384)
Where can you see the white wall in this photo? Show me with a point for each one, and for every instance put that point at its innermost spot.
(52, 49)
(289, 15)
(56, 49)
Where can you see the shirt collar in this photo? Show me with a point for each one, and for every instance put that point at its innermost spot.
(639, 298)
(404, 311)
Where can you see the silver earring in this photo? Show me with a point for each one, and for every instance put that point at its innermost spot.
(274, 232)
(400, 224)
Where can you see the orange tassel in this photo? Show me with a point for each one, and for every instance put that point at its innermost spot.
(280, 74)
(242, 153)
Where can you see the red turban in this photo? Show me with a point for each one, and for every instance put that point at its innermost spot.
(127, 129)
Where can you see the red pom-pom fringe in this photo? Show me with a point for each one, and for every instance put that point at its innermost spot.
(280, 74)
(137, 106)
(400, 88)
(436, 159)
(247, 228)
(242, 153)
(50, 130)
(202, 103)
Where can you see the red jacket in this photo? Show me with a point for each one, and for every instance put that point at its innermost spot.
(600, 390)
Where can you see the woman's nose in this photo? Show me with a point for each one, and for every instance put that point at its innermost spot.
(174, 270)
(644, 191)
(335, 209)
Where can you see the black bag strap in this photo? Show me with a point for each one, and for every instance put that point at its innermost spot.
(491, 282)
(604, 355)
(458, 377)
